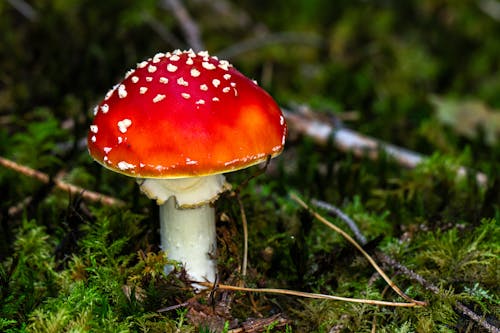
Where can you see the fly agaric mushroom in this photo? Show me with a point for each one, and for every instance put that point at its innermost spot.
(177, 123)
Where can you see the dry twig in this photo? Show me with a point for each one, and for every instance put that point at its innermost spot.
(187, 24)
(76, 190)
(429, 286)
(254, 325)
(490, 8)
(280, 38)
(350, 223)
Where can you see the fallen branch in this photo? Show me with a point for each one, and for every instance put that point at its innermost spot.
(336, 211)
(360, 145)
(429, 286)
(73, 189)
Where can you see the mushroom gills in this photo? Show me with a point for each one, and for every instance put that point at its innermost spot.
(188, 192)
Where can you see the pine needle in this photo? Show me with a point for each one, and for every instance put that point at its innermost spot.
(310, 295)
(320, 218)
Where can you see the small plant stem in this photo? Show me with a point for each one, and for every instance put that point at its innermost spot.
(311, 295)
(244, 222)
(245, 237)
(188, 236)
(46, 179)
(320, 218)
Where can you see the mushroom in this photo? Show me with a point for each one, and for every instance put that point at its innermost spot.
(176, 123)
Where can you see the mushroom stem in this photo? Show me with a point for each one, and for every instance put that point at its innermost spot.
(187, 221)
(188, 236)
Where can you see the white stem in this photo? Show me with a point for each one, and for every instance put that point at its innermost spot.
(187, 221)
(188, 236)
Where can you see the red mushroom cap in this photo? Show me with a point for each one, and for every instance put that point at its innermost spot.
(185, 114)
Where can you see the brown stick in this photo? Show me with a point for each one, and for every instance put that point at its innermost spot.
(73, 189)
(429, 286)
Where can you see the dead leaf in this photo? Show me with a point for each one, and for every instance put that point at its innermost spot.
(468, 118)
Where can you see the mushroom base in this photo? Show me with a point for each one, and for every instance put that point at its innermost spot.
(189, 192)
(189, 237)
